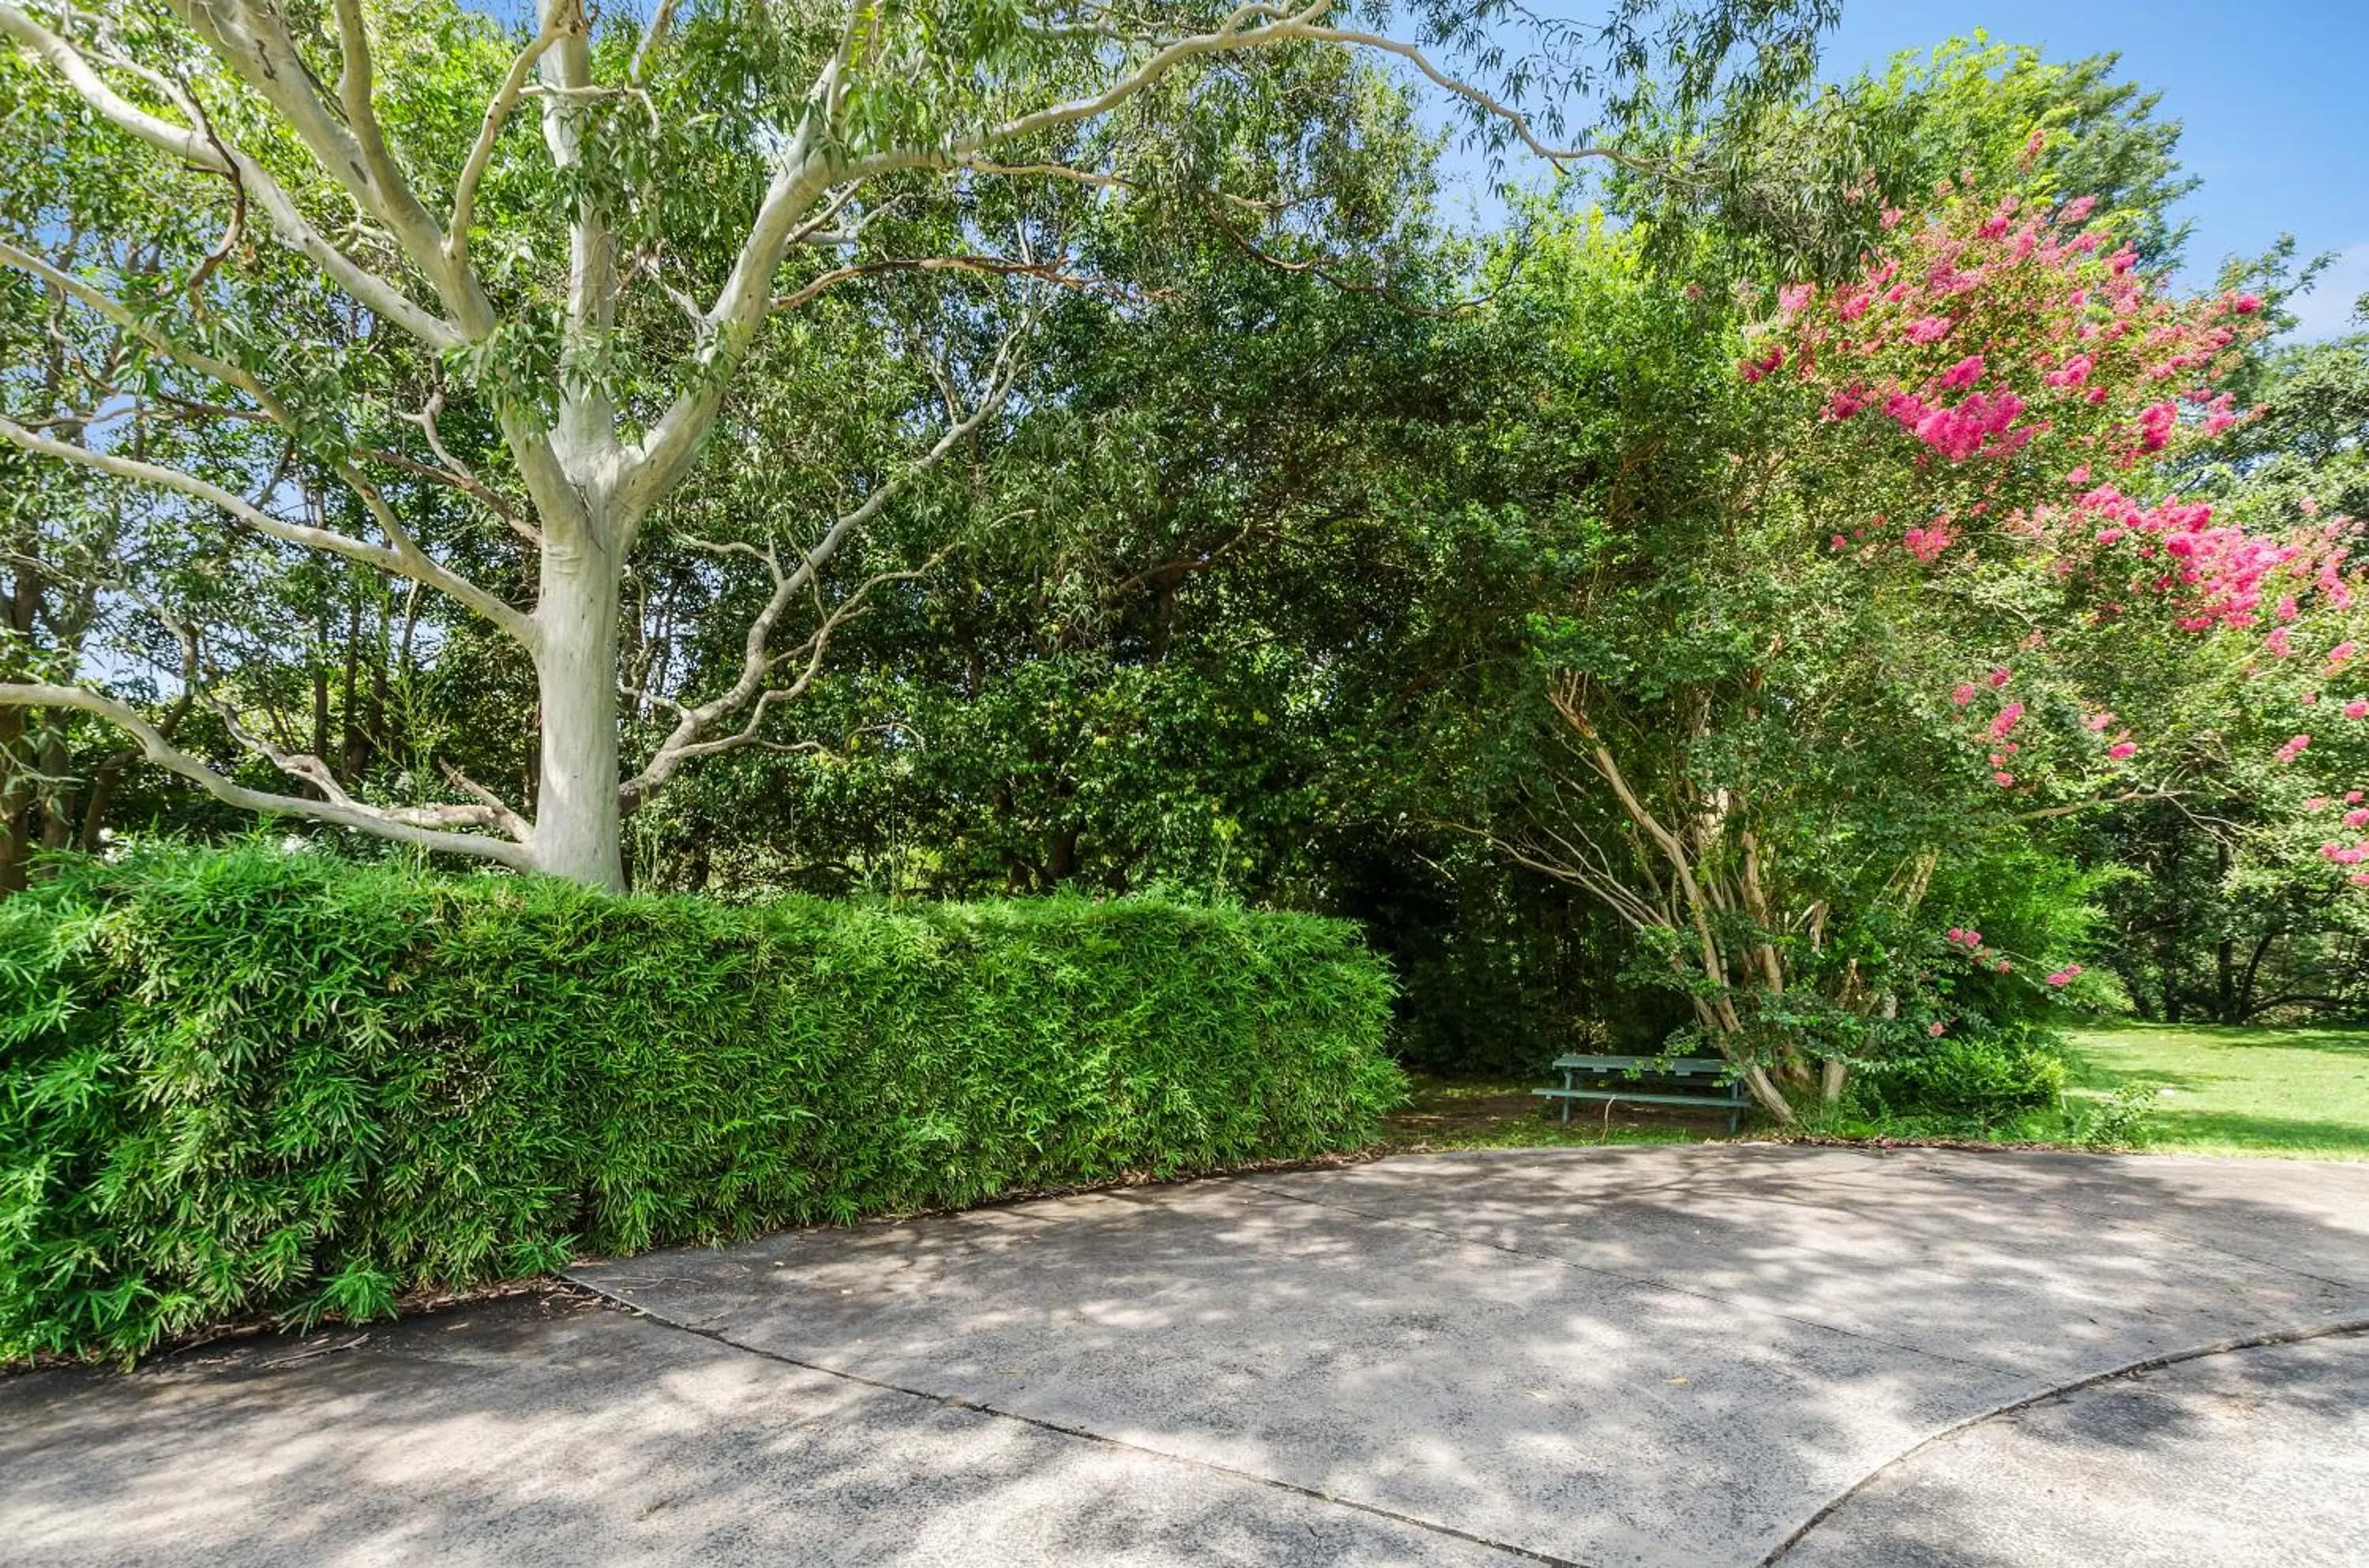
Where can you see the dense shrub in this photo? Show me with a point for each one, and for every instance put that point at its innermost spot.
(251, 1081)
(1980, 1076)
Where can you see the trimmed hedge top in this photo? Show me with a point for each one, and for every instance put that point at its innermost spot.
(255, 1082)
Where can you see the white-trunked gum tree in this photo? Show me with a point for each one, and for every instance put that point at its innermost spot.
(463, 303)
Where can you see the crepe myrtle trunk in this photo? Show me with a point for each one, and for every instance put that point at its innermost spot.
(576, 830)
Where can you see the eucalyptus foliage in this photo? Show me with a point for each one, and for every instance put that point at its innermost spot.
(571, 243)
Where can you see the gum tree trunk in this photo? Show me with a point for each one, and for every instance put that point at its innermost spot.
(576, 819)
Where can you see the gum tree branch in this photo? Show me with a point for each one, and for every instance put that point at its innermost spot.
(350, 148)
(985, 266)
(155, 748)
(412, 562)
(481, 154)
(671, 757)
(252, 40)
(401, 557)
(757, 659)
(204, 152)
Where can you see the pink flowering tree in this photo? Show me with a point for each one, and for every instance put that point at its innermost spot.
(1943, 599)
(2029, 386)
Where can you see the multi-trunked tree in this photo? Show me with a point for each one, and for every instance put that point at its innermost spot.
(1932, 590)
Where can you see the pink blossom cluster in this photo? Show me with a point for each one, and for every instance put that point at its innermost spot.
(2072, 372)
(2062, 339)
(1928, 543)
(2219, 572)
(1972, 941)
(2023, 357)
(2065, 976)
(1958, 431)
(2120, 747)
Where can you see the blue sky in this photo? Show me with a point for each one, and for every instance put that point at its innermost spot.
(2273, 94)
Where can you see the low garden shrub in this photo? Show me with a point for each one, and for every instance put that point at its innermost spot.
(251, 1081)
(1979, 1076)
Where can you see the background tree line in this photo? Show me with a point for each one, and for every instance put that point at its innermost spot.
(1249, 567)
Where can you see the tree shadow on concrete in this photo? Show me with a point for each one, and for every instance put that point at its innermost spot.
(568, 1433)
(1663, 1356)
(1639, 1355)
(2234, 1460)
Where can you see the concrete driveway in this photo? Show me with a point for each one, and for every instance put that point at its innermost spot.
(1722, 1354)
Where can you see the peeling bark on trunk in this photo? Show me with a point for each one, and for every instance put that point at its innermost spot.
(1772, 1099)
(1699, 863)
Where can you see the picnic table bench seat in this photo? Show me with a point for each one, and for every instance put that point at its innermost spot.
(1653, 1080)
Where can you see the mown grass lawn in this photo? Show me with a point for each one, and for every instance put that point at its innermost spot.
(2217, 1090)
(2236, 1091)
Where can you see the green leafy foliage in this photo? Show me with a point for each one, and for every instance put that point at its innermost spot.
(2122, 1120)
(253, 1081)
(1261, 583)
(1975, 1078)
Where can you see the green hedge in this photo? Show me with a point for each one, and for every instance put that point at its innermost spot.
(256, 1082)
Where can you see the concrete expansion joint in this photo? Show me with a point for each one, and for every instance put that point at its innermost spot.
(1784, 1548)
(1080, 1433)
(2297, 1335)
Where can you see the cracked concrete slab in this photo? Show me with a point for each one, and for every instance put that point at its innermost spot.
(2256, 1458)
(1634, 1356)
(1659, 1357)
(1569, 1413)
(562, 1434)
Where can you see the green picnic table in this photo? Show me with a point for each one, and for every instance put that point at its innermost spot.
(1653, 1080)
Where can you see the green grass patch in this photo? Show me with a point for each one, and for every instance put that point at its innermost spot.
(2233, 1091)
(2199, 1090)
